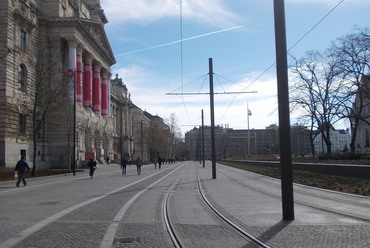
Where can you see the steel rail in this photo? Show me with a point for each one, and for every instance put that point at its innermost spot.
(304, 203)
(169, 228)
(227, 220)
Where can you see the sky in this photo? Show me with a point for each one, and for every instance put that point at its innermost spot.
(162, 50)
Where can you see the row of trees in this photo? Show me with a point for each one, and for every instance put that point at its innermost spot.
(333, 85)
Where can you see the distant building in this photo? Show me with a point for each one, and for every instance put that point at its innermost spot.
(55, 74)
(158, 138)
(121, 107)
(151, 135)
(243, 142)
(340, 140)
(140, 131)
(193, 143)
(53, 49)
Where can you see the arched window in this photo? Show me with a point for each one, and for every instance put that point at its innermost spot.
(22, 77)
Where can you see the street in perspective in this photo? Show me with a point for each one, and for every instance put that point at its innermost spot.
(179, 205)
(197, 124)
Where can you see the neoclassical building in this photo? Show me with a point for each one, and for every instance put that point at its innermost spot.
(56, 104)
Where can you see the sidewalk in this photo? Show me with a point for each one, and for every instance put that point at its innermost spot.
(254, 201)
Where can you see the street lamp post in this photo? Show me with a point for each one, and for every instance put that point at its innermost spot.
(141, 139)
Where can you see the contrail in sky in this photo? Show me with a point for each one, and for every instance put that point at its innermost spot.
(186, 39)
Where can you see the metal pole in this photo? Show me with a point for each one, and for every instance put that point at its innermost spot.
(141, 139)
(199, 145)
(74, 125)
(121, 129)
(212, 119)
(249, 138)
(204, 162)
(284, 118)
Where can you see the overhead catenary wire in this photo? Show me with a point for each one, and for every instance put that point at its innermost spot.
(258, 77)
(290, 48)
(181, 62)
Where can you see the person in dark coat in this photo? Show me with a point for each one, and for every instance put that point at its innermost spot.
(20, 168)
(124, 163)
(138, 165)
(92, 165)
(159, 162)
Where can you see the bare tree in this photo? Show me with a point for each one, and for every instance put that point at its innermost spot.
(175, 133)
(353, 52)
(316, 91)
(43, 97)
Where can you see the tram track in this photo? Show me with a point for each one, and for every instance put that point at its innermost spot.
(224, 221)
(306, 203)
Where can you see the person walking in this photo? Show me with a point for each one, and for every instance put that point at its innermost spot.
(20, 168)
(124, 163)
(138, 165)
(155, 163)
(92, 165)
(159, 162)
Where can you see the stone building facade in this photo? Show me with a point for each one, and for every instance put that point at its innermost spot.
(55, 70)
(243, 142)
(121, 107)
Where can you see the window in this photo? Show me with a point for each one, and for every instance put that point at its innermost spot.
(22, 39)
(22, 74)
(22, 124)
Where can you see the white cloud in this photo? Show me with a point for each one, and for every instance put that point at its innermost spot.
(229, 109)
(146, 11)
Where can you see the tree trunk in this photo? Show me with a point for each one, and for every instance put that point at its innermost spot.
(34, 154)
(354, 135)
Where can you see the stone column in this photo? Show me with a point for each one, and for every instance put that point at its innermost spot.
(96, 88)
(104, 95)
(72, 51)
(79, 75)
(87, 84)
(56, 61)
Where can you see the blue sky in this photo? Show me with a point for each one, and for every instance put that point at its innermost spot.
(237, 34)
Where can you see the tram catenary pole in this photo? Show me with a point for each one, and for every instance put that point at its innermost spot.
(213, 142)
(204, 162)
(211, 93)
(284, 118)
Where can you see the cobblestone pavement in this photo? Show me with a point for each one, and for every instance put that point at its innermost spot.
(322, 218)
(69, 211)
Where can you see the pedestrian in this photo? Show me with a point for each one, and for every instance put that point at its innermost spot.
(92, 165)
(108, 160)
(124, 163)
(20, 168)
(155, 163)
(159, 162)
(138, 165)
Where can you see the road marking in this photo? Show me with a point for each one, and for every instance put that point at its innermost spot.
(31, 230)
(111, 232)
(55, 182)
